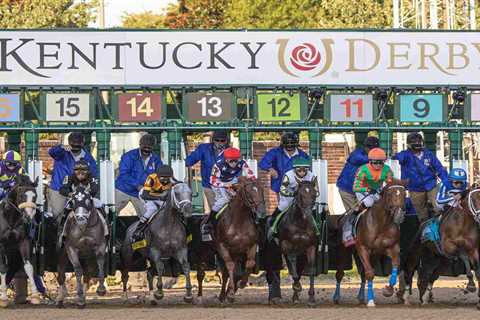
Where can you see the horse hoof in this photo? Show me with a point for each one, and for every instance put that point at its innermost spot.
(297, 287)
(311, 302)
(230, 299)
(388, 291)
(242, 284)
(60, 305)
(361, 300)
(471, 288)
(101, 291)
(478, 306)
(336, 301)
(188, 299)
(81, 305)
(158, 295)
(3, 303)
(275, 301)
(371, 304)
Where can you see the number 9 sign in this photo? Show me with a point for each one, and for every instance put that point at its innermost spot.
(203, 106)
(66, 107)
(421, 107)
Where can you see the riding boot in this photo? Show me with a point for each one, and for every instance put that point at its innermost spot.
(138, 234)
(207, 228)
(271, 234)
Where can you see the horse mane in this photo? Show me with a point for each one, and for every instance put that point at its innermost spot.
(396, 182)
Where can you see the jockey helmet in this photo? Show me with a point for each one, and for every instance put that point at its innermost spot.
(415, 141)
(458, 174)
(148, 140)
(289, 140)
(231, 154)
(371, 142)
(12, 159)
(81, 165)
(220, 135)
(377, 154)
(76, 139)
(165, 171)
(299, 162)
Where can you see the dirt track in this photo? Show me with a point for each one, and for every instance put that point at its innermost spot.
(450, 303)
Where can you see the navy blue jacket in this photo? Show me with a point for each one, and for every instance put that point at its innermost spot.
(206, 155)
(277, 159)
(346, 178)
(64, 164)
(422, 173)
(133, 173)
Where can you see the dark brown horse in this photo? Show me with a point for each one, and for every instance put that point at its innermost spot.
(297, 235)
(378, 233)
(459, 239)
(236, 234)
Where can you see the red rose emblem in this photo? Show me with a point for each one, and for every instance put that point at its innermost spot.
(305, 57)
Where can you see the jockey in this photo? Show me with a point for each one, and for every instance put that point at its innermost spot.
(10, 167)
(367, 185)
(82, 177)
(154, 193)
(300, 172)
(449, 195)
(224, 175)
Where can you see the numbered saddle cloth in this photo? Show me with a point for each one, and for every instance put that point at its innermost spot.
(431, 231)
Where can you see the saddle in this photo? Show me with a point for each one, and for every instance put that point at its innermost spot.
(282, 214)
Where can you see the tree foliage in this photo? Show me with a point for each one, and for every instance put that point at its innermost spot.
(197, 14)
(143, 20)
(46, 13)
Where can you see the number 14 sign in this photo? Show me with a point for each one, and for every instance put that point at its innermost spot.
(350, 107)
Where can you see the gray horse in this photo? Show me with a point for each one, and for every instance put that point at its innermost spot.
(166, 238)
(85, 240)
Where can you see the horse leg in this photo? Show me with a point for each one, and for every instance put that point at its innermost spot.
(160, 267)
(249, 266)
(3, 280)
(125, 283)
(100, 254)
(476, 266)
(292, 268)
(77, 267)
(311, 259)
(230, 266)
(150, 275)
(24, 249)
(62, 288)
(394, 254)
(223, 292)
(200, 277)
(182, 257)
(471, 287)
(364, 256)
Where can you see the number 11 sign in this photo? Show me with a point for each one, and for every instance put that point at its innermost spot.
(350, 107)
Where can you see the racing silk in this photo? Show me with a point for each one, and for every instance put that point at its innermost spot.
(7, 177)
(205, 153)
(447, 191)
(223, 175)
(368, 178)
(154, 187)
(64, 164)
(278, 159)
(71, 183)
(346, 178)
(133, 171)
(290, 182)
(421, 172)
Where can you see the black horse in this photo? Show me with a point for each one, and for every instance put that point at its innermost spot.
(16, 212)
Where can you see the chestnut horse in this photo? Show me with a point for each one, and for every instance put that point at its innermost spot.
(378, 233)
(459, 238)
(236, 234)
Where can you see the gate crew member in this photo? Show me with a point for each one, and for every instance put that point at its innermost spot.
(135, 166)
(155, 192)
(300, 172)
(421, 167)
(356, 159)
(450, 194)
(367, 184)
(208, 154)
(65, 157)
(10, 167)
(278, 161)
(224, 175)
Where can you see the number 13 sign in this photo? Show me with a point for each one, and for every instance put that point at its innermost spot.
(349, 107)
(66, 107)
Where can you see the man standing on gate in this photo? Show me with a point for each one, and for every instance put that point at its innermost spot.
(357, 158)
(135, 166)
(208, 154)
(421, 167)
(65, 157)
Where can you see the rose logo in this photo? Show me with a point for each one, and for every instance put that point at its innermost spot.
(305, 57)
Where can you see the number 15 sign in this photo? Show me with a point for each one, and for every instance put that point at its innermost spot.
(349, 107)
(66, 107)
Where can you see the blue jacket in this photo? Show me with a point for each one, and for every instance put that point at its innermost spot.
(277, 159)
(206, 155)
(422, 173)
(64, 164)
(346, 178)
(446, 192)
(133, 173)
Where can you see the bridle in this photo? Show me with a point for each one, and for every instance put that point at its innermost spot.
(249, 201)
(395, 211)
(299, 197)
(23, 205)
(179, 204)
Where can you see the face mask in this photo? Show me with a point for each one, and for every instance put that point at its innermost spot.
(76, 149)
(146, 151)
(164, 180)
(219, 145)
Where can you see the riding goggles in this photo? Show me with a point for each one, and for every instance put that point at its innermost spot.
(377, 162)
(11, 163)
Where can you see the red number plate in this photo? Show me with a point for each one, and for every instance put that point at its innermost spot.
(145, 107)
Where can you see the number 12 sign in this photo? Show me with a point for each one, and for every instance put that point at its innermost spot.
(349, 107)
(279, 107)
(66, 107)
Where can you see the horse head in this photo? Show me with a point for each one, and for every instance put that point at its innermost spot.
(182, 198)
(82, 205)
(394, 193)
(251, 193)
(306, 194)
(473, 200)
(23, 196)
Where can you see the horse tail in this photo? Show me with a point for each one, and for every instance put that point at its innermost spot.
(409, 261)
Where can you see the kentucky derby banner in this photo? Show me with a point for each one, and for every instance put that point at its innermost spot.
(131, 58)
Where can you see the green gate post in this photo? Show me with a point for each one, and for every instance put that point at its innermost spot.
(315, 138)
(174, 138)
(431, 140)
(31, 146)
(157, 149)
(385, 138)
(360, 137)
(88, 140)
(14, 140)
(103, 144)
(246, 141)
(456, 145)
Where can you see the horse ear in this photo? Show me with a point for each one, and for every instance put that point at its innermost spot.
(35, 183)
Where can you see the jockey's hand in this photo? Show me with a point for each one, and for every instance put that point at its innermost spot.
(273, 173)
(457, 196)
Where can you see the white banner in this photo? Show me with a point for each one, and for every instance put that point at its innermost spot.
(238, 58)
